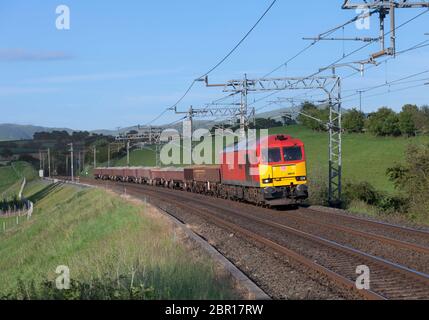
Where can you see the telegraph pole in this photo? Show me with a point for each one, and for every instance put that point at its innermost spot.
(40, 161)
(128, 153)
(360, 99)
(43, 163)
(95, 157)
(67, 165)
(71, 162)
(49, 162)
(80, 162)
(108, 155)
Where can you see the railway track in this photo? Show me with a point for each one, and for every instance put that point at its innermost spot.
(336, 261)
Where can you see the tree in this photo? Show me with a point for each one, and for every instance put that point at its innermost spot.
(262, 123)
(407, 119)
(354, 121)
(310, 111)
(384, 122)
(7, 153)
(422, 120)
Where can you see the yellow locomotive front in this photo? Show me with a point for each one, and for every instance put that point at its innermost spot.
(283, 171)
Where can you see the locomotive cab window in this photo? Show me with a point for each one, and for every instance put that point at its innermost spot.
(273, 155)
(292, 154)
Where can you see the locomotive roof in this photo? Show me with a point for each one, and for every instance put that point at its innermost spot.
(271, 141)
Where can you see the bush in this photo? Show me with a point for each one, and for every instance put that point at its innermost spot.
(365, 193)
(384, 122)
(412, 179)
(354, 121)
(318, 188)
(362, 191)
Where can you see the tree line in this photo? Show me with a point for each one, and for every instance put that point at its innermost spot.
(13, 204)
(411, 121)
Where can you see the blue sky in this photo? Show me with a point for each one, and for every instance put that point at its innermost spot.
(123, 62)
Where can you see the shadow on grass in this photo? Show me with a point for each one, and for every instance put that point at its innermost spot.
(44, 192)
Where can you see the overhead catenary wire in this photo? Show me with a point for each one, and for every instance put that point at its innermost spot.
(389, 92)
(217, 65)
(422, 44)
(390, 83)
(307, 48)
(414, 47)
(240, 42)
(310, 98)
(320, 37)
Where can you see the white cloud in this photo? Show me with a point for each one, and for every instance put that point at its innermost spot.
(26, 55)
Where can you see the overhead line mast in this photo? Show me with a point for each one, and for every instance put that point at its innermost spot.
(331, 85)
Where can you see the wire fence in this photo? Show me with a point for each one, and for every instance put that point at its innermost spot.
(12, 219)
(13, 213)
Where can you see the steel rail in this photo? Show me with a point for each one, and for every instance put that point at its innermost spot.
(337, 278)
(375, 223)
(406, 271)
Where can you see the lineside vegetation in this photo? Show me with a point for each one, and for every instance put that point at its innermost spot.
(114, 250)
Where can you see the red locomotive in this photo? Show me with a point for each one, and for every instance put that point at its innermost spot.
(273, 172)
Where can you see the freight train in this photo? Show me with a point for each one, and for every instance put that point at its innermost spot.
(277, 177)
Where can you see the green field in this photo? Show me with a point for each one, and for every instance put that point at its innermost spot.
(365, 157)
(114, 249)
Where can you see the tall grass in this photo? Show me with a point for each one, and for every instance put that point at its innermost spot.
(113, 248)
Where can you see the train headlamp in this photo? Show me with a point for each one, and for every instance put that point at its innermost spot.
(304, 178)
(266, 181)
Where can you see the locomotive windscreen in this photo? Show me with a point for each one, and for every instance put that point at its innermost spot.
(292, 154)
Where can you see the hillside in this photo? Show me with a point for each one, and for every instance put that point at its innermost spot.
(114, 250)
(10, 132)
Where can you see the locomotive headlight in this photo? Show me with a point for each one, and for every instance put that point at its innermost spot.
(266, 181)
(301, 178)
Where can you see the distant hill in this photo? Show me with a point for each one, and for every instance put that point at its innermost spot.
(10, 132)
(23, 132)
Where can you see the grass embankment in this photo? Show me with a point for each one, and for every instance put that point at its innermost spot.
(11, 178)
(114, 249)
